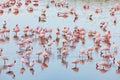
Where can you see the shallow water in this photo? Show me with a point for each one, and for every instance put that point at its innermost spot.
(56, 70)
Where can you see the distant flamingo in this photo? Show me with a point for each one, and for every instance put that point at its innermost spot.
(16, 11)
(98, 10)
(90, 17)
(52, 1)
(11, 64)
(39, 53)
(115, 21)
(1, 11)
(115, 45)
(26, 29)
(85, 6)
(16, 30)
(104, 64)
(4, 24)
(7, 31)
(118, 64)
(22, 70)
(31, 64)
(1, 50)
(30, 9)
(76, 61)
(4, 58)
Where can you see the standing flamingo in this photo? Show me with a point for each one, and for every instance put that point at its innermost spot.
(16, 30)
(4, 58)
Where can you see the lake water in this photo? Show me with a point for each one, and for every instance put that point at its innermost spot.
(55, 69)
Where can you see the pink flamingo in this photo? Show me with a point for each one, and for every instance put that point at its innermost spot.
(30, 9)
(11, 64)
(98, 10)
(107, 36)
(76, 61)
(85, 6)
(21, 44)
(71, 10)
(39, 53)
(4, 24)
(45, 54)
(7, 32)
(65, 30)
(26, 29)
(90, 17)
(22, 70)
(90, 49)
(115, 45)
(36, 2)
(105, 48)
(4, 58)
(1, 50)
(62, 14)
(97, 41)
(115, 20)
(52, 1)
(83, 52)
(57, 31)
(103, 64)
(28, 52)
(107, 56)
(118, 64)
(16, 11)
(23, 60)
(91, 33)
(16, 30)
(2, 31)
(64, 52)
(31, 64)
(1, 11)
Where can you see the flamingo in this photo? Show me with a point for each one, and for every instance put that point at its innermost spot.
(85, 6)
(2, 31)
(103, 64)
(1, 11)
(23, 60)
(1, 50)
(98, 10)
(22, 70)
(90, 16)
(30, 9)
(31, 64)
(16, 30)
(16, 11)
(7, 32)
(52, 1)
(118, 64)
(115, 21)
(76, 61)
(28, 52)
(115, 45)
(11, 64)
(57, 31)
(39, 53)
(4, 24)
(4, 58)
(36, 2)
(45, 54)
(11, 73)
(26, 29)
